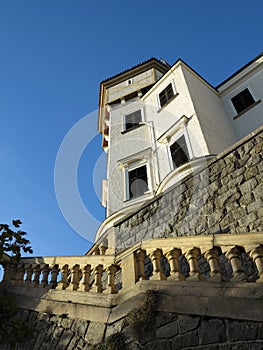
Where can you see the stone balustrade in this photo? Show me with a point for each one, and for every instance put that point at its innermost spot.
(213, 258)
(83, 273)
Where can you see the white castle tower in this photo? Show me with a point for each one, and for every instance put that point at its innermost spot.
(159, 123)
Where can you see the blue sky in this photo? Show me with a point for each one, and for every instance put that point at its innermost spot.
(53, 55)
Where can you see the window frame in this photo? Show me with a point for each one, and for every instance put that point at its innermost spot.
(124, 123)
(128, 184)
(237, 94)
(136, 161)
(173, 139)
(187, 148)
(168, 101)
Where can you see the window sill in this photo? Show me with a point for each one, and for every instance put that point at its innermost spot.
(171, 99)
(133, 128)
(247, 109)
(138, 198)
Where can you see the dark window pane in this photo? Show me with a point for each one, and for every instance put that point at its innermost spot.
(179, 152)
(243, 100)
(138, 183)
(133, 119)
(166, 95)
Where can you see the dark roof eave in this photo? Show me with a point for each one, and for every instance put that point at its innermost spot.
(239, 70)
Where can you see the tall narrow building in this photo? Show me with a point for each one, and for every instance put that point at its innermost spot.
(160, 123)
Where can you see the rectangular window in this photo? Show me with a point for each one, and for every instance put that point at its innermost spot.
(166, 95)
(138, 182)
(179, 152)
(242, 100)
(133, 119)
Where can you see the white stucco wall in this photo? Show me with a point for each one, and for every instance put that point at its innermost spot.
(216, 128)
(122, 146)
(252, 119)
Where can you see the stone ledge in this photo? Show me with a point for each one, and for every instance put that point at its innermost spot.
(230, 300)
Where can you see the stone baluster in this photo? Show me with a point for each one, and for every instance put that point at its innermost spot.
(37, 272)
(155, 257)
(75, 274)
(63, 283)
(212, 256)
(192, 256)
(96, 251)
(45, 273)
(97, 276)
(257, 256)
(140, 256)
(102, 249)
(111, 271)
(29, 274)
(20, 272)
(54, 276)
(172, 257)
(84, 286)
(8, 267)
(233, 256)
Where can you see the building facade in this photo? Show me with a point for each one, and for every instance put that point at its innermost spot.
(159, 123)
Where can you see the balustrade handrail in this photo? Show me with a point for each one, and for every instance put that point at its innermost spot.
(167, 258)
(247, 240)
(70, 260)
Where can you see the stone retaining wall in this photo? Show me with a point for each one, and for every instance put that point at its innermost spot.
(169, 331)
(225, 197)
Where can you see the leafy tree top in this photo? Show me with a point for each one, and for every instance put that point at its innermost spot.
(13, 241)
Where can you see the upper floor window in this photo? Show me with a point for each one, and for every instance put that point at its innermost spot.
(179, 152)
(137, 181)
(166, 95)
(242, 100)
(132, 119)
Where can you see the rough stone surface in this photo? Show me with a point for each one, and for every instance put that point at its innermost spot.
(225, 197)
(187, 323)
(212, 331)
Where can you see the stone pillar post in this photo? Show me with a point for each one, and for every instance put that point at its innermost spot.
(111, 271)
(75, 274)
(192, 256)
(84, 286)
(36, 275)
(257, 256)
(233, 256)
(64, 283)
(45, 273)
(212, 256)
(20, 271)
(29, 273)
(98, 275)
(140, 256)
(172, 257)
(155, 257)
(54, 275)
(102, 249)
(7, 272)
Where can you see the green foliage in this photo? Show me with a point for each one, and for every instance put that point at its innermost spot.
(12, 329)
(141, 317)
(13, 241)
(115, 342)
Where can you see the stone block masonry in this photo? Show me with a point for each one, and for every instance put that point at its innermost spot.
(226, 196)
(169, 331)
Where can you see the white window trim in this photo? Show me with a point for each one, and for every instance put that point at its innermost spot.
(158, 93)
(235, 93)
(136, 161)
(132, 111)
(177, 130)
